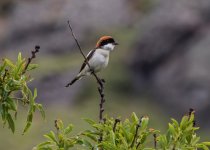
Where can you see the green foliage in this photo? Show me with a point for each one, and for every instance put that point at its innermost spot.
(182, 135)
(131, 134)
(14, 90)
(60, 139)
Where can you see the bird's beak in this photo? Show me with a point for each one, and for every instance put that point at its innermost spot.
(115, 43)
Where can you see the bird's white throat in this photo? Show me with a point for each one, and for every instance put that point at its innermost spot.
(109, 46)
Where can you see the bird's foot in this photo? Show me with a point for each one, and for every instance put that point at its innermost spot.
(92, 71)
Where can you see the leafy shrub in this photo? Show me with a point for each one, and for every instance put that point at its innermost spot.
(131, 134)
(14, 90)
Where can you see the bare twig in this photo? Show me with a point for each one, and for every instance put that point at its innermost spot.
(32, 57)
(155, 140)
(99, 81)
(57, 126)
(78, 45)
(5, 74)
(191, 110)
(136, 134)
(138, 145)
(115, 124)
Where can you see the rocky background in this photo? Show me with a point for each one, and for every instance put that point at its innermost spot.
(171, 56)
(163, 57)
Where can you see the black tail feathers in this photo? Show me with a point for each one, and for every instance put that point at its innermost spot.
(73, 81)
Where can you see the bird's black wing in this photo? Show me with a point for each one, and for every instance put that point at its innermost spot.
(89, 56)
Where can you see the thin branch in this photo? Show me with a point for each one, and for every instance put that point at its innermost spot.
(99, 81)
(191, 110)
(138, 145)
(32, 57)
(5, 74)
(155, 140)
(78, 45)
(136, 134)
(115, 124)
(57, 127)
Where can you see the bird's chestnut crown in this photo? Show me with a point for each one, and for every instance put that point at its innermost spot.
(104, 40)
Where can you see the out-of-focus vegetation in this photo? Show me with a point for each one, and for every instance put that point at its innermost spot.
(14, 79)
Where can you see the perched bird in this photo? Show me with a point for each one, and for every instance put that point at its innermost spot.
(97, 58)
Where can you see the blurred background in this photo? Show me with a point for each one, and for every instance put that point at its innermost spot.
(161, 67)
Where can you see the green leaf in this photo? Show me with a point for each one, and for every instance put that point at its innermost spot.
(51, 136)
(35, 94)
(12, 104)
(30, 117)
(19, 69)
(11, 122)
(29, 121)
(44, 144)
(175, 123)
(28, 125)
(184, 122)
(98, 126)
(68, 129)
(143, 138)
(108, 146)
(124, 142)
(191, 117)
(202, 146)
(90, 134)
(125, 134)
(2, 68)
(144, 122)
(4, 111)
(90, 121)
(206, 143)
(86, 144)
(32, 67)
(171, 129)
(195, 140)
(9, 63)
(134, 118)
(19, 57)
(41, 110)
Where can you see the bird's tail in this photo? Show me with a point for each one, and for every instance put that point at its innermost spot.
(74, 80)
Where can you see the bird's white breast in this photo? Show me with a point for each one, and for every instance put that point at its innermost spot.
(99, 60)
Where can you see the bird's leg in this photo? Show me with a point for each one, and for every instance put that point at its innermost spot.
(92, 71)
(99, 80)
